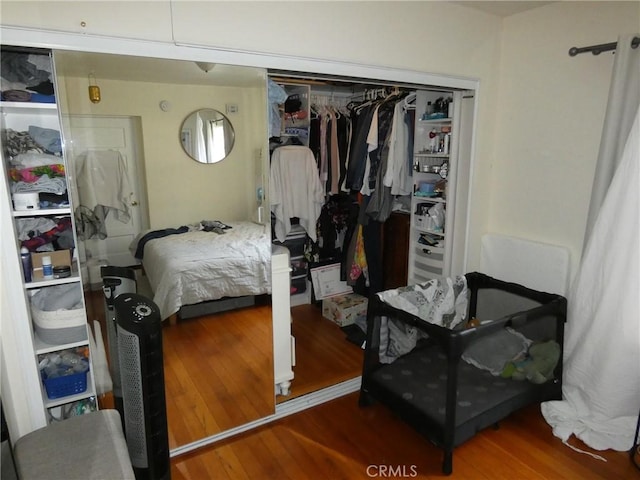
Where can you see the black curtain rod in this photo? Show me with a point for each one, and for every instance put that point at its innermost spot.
(604, 47)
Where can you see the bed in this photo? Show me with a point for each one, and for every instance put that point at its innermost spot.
(192, 267)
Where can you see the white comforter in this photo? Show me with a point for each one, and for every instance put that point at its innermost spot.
(197, 266)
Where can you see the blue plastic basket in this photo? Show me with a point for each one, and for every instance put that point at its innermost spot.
(58, 387)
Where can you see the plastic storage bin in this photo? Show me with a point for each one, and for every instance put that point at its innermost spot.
(64, 386)
(58, 315)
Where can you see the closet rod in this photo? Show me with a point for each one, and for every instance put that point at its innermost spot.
(603, 47)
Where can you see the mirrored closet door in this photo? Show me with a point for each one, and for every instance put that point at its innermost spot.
(218, 367)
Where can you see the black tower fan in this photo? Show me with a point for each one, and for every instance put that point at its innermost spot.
(115, 281)
(142, 377)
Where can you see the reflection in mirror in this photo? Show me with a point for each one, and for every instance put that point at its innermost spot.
(207, 135)
(218, 367)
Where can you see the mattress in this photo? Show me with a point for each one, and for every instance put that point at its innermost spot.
(420, 378)
(198, 266)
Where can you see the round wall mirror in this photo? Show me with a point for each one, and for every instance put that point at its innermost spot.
(207, 135)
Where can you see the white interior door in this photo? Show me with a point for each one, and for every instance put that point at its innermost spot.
(121, 134)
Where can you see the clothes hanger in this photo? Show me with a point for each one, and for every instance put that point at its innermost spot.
(409, 101)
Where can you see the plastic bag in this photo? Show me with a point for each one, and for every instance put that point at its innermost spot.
(436, 213)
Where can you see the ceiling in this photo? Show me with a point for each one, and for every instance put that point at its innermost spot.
(503, 9)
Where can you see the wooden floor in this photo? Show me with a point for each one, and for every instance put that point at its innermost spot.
(218, 372)
(340, 440)
(218, 368)
(323, 355)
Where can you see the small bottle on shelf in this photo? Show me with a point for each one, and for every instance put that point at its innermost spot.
(27, 268)
(447, 139)
(47, 268)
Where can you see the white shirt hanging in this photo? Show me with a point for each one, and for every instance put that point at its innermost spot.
(296, 190)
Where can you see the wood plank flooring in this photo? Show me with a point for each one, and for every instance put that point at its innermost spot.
(218, 368)
(340, 440)
(323, 355)
(218, 372)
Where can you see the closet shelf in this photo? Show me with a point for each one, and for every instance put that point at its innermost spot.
(420, 198)
(439, 233)
(437, 155)
(42, 347)
(75, 277)
(31, 107)
(42, 212)
(435, 120)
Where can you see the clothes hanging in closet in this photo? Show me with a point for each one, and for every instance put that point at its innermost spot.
(400, 154)
(386, 149)
(329, 140)
(382, 133)
(361, 123)
(350, 146)
(296, 190)
(337, 215)
(367, 150)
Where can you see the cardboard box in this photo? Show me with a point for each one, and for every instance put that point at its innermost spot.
(344, 309)
(58, 259)
(327, 283)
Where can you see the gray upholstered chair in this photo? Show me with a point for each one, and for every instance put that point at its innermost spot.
(90, 446)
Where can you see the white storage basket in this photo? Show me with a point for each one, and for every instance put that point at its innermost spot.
(58, 314)
(59, 326)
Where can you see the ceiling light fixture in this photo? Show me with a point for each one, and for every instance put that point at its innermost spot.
(94, 90)
(205, 66)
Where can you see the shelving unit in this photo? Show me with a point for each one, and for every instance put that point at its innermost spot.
(433, 158)
(296, 123)
(19, 116)
(299, 284)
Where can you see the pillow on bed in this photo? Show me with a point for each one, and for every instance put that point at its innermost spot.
(493, 351)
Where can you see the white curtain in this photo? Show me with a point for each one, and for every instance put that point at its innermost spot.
(601, 381)
(201, 135)
(624, 98)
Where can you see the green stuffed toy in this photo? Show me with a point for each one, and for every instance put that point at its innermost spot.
(537, 366)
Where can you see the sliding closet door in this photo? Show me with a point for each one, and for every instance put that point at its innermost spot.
(464, 106)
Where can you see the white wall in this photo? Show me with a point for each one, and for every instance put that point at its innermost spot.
(180, 190)
(550, 112)
(146, 19)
